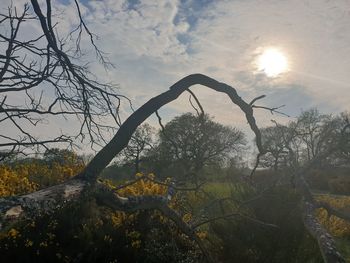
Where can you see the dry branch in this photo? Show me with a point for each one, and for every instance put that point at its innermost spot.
(46, 200)
(122, 137)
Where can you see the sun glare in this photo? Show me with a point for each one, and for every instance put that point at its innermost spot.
(273, 62)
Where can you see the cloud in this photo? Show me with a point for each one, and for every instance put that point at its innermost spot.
(155, 43)
(311, 33)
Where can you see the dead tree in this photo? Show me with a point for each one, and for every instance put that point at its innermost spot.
(80, 96)
(41, 78)
(46, 200)
(141, 142)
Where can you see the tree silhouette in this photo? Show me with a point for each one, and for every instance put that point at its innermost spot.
(188, 143)
(39, 78)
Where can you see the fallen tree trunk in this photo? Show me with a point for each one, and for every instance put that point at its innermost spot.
(40, 202)
(325, 241)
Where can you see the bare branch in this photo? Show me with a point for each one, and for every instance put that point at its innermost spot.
(197, 101)
(120, 140)
(272, 110)
(255, 99)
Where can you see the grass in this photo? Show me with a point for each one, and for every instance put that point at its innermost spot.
(343, 244)
(218, 189)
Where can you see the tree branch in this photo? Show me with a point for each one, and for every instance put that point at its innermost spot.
(122, 137)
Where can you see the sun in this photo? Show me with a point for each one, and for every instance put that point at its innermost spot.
(273, 62)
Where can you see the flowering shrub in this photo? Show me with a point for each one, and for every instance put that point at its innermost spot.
(28, 177)
(87, 232)
(336, 226)
(145, 185)
(13, 182)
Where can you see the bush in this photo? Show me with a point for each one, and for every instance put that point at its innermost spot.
(87, 232)
(319, 179)
(336, 226)
(244, 240)
(335, 179)
(340, 185)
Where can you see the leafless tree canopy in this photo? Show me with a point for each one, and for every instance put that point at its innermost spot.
(42, 75)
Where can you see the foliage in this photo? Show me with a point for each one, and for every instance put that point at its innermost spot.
(340, 185)
(88, 232)
(28, 175)
(316, 137)
(188, 143)
(117, 172)
(331, 179)
(336, 226)
(63, 157)
(15, 181)
(319, 179)
(247, 240)
(143, 186)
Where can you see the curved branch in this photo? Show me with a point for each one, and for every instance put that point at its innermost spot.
(257, 98)
(122, 137)
(89, 176)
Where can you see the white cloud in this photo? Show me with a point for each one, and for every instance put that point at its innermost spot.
(155, 43)
(313, 36)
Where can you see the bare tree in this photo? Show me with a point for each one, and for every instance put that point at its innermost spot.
(139, 145)
(318, 133)
(41, 77)
(274, 144)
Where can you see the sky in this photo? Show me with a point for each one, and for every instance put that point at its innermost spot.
(155, 43)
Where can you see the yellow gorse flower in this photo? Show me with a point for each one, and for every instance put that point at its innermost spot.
(19, 179)
(143, 186)
(28, 243)
(13, 233)
(187, 217)
(336, 226)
